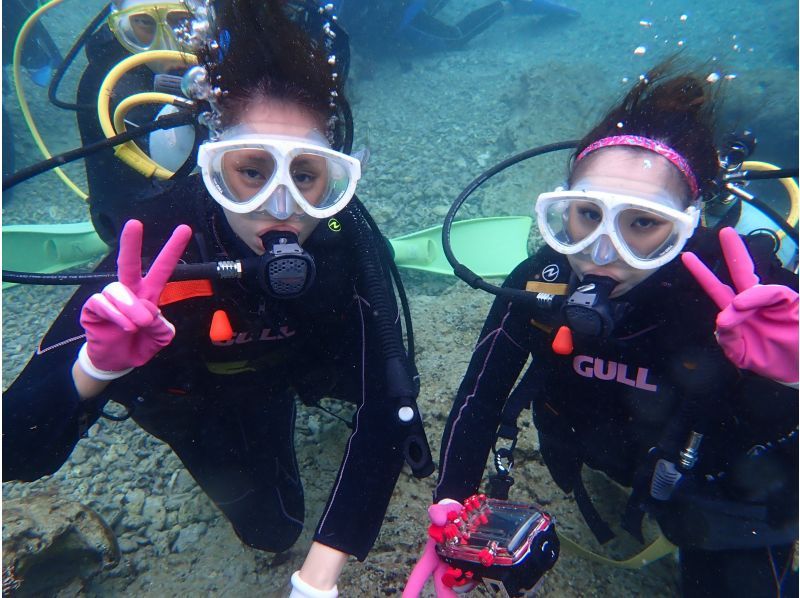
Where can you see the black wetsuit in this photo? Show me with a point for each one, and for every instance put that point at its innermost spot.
(228, 409)
(620, 404)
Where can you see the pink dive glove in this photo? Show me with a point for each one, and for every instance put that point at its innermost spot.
(124, 327)
(758, 325)
(448, 582)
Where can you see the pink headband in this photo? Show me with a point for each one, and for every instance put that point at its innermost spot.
(649, 144)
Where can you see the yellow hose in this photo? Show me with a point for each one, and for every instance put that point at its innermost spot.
(791, 189)
(23, 102)
(144, 164)
(657, 549)
(129, 152)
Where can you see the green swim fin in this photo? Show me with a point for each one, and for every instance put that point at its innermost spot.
(48, 248)
(490, 247)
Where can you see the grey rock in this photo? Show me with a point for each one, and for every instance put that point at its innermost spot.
(134, 522)
(154, 512)
(175, 501)
(79, 455)
(440, 211)
(181, 482)
(126, 545)
(161, 544)
(135, 501)
(199, 508)
(125, 475)
(49, 543)
(188, 536)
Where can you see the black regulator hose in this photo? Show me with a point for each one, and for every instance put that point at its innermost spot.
(57, 279)
(52, 90)
(757, 175)
(398, 282)
(210, 270)
(400, 385)
(460, 270)
(168, 121)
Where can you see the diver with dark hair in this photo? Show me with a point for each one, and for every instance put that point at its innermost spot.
(143, 27)
(132, 27)
(416, 25)
(662, 354)
(214, 367)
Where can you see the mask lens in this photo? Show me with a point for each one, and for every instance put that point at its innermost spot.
(176, 18)
(571, 220)
(244, 172)
(321, 180)
(646, 234)
(140, 28)
(310, 175)
(252, 169)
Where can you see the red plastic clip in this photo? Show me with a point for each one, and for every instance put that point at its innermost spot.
(486, 557)
(436, 532)
(450, 531)
(454, 577)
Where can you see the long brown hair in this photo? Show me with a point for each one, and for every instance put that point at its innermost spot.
(264, 54)
(678, 109)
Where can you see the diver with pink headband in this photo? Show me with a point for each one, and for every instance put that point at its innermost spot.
(670, 364)
(670, 154)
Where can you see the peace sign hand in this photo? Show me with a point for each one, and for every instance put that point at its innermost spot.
(124, 326)
(757, 326)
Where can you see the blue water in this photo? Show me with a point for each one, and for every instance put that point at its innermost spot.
(432, 122)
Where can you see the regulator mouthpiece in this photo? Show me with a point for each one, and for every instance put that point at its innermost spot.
(285, 270)
(589, 309)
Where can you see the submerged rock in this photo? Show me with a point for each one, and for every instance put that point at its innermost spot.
(50, 542)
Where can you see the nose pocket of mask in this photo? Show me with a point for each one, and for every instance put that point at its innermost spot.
(603, 251)
(280, 203)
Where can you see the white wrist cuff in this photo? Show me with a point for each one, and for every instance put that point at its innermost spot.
(94, 372)
(301, 589)
(794, 385)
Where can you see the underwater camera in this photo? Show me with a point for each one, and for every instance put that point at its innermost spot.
(506, 546)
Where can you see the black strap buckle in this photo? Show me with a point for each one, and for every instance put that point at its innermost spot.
(504, 459)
